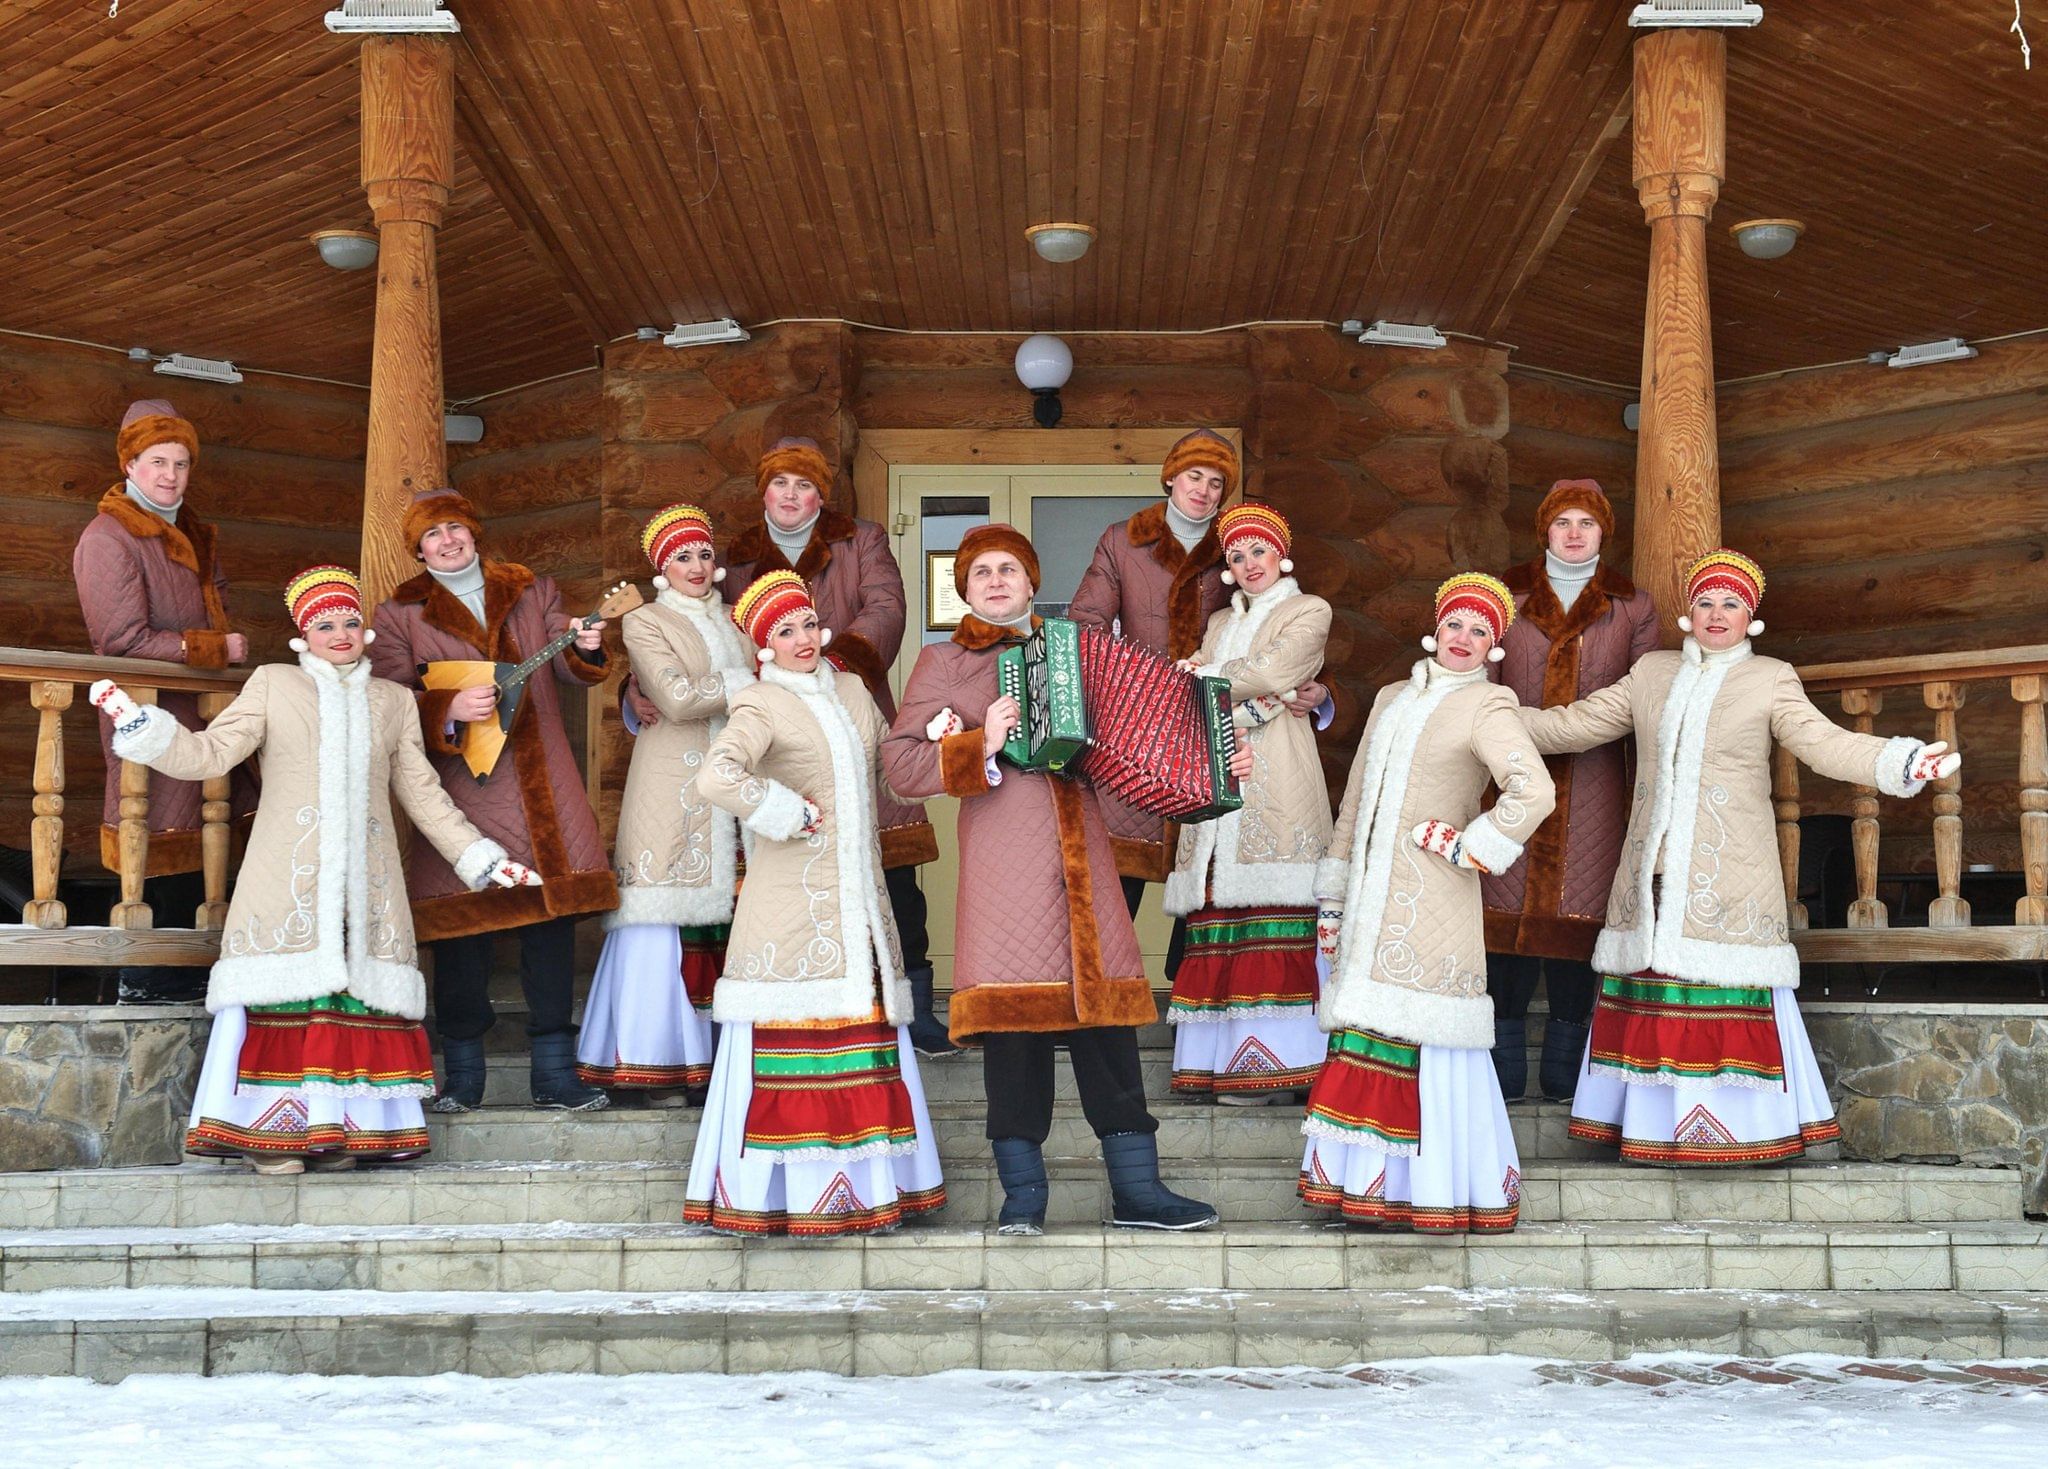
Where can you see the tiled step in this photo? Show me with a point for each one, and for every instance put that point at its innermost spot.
(1868, 1257)
(1244, 1191)
(109, 1335)
(1195, 1131)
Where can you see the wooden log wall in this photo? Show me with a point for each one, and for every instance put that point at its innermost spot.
(280, 473)
(1560, 428)
(1900, 511)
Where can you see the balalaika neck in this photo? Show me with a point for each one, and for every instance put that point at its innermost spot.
(540, 660)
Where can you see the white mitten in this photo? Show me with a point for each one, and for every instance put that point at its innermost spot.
(813, 818)
(510, 874)
(112, 700)
(1448, 843)
(943, 723)
(1329, 923)
(1930, 764)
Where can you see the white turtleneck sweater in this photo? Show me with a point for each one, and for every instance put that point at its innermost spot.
(791, 542)
(1566, 579)
(167, 513)
(1185, 529)
(465, 586)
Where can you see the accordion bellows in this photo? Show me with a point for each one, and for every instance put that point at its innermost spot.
(1154, 737)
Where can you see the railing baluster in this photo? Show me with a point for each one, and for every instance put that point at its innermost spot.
(46, 832)
(1863, 706)
(1785, 793)
(2028, 691)
(131, 912)
(213, 831)
(1948, 910)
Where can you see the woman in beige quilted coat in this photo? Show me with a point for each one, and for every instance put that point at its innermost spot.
(1698, 1054)
(1244, 995)
(647, 1024)
(815, 1123)
(317, 1049)
(1405, 1123)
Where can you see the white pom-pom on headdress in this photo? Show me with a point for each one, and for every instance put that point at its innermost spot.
(1429, 642)
(1496, 653)
(299, 645)
(824, 636)
(1286, 565)
(1756, 625)
(1684, 623)
(718, 574)
(369, 636)
(1229, 580)
(764, 656)
(660, 583)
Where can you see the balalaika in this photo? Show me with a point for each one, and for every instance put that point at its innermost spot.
(1149, 734)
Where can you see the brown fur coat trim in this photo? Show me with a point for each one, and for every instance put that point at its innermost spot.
(755, 547)
(1185, 621)
(190, 543)
(909, 845)
(993, 1008)
(962, 765)
(974, 635)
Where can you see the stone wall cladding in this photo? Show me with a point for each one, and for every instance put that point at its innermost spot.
(96, 1087)
(1939, 1083)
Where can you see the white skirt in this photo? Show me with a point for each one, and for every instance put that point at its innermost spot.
(232, 1120)
(1255, 1053)
(741, 1190)
(1682, 1123)
(640, 1029)
(1464, 1174)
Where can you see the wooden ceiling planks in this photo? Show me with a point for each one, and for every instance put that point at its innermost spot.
(1908, 138)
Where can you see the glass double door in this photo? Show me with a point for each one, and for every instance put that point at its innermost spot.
(1064, 510)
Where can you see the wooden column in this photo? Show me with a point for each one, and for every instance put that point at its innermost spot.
(46, 832)
(1863, 706)
(1785, 803)
(2028, 692)
(408, 165)
(1948, 910)
(132, 911)
(1680, 147)
(214, 813)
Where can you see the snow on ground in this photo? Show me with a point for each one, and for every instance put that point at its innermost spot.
(1461, 1412)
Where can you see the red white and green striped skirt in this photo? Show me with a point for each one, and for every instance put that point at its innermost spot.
(313, 1076)
(1244, 1002)
(1682, 1071)
(814, 1129)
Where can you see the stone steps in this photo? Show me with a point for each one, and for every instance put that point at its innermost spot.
(110, 1335)
(1302, 1256)
(202, 1193)
(1196, 1131)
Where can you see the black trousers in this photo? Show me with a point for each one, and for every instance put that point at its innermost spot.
(547, 973)
(906, 900)
(1571, 985)
(1176, 943)
(1017, 1072)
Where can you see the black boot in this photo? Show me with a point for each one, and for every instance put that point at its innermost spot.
(1138, 1200)
(160, 984)
(1511, 1058)
(1564, 1047)
(1020, 1166)
(463, 1063)
(927, 1032)
(554, 1078)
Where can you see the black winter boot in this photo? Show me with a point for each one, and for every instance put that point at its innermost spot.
(462, 1090)
(1564, 1047)
(1020, 1166)
(1511, 1058)
(554, 1079)
(927, 1032)
(1138, 1200)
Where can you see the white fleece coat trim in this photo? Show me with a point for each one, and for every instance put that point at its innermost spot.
(780, 815)
(1893, 761)
(863, 927)
(1487, 846)
(1214, 864)
(1661, 942)
(1354, 999)
(478, 861)
(150, 741)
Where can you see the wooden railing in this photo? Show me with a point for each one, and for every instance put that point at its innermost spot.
(1951, 932)
(45, 936)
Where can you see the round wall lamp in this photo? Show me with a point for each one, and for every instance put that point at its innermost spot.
(1060, 243)
(346, 249)
(1043, 365)
(1767, 239)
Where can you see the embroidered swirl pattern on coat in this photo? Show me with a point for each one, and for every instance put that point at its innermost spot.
(297, 930)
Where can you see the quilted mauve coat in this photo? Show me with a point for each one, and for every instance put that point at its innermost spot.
(1553, 902)
(1411, 956)
(534, 802)
(676, 856)
(1163, 597)
(858, 590)
(1043, 941)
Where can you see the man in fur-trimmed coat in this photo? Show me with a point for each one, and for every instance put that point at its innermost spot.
(1579, 626)
(466, 606)
(858, 590)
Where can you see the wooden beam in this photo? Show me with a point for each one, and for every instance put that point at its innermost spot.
(106, 946)
(1680, 146)
(408, 146)
(2004, 944)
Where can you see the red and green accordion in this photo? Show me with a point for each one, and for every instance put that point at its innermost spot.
(1140, 729)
